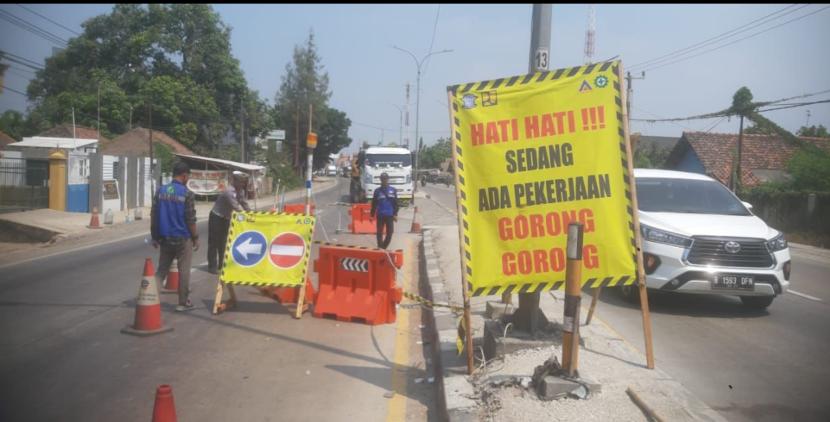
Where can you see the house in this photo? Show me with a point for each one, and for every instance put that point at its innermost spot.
(135, 143)
(764, 158)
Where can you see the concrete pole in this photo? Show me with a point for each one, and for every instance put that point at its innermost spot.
(573, 297)
(527, 316)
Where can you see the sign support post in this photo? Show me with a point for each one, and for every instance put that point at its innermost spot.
(632, 187)
(573, 297)
(465, 286)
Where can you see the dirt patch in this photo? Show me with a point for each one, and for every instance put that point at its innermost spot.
(21, 233)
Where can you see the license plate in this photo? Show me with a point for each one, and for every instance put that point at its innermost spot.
(734, 282)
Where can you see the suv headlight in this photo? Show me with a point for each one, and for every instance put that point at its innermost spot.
(660, 236)
(777, 243)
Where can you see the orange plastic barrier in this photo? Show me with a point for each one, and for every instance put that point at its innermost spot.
(362, 221)
(357, 284)
(296, 209)
(286, 295)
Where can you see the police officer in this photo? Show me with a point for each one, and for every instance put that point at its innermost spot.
(385, 210)
(232, 199)
(173, 228)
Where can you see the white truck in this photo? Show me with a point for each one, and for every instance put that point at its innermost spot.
(394, 161)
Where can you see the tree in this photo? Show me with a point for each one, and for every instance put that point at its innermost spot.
(13, 124)
(175, 58)
(304, 83)
(810, 170)
(759, 130)
(333, 135)
(434, 155)
(817, 132)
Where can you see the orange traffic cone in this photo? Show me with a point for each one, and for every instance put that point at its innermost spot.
(416, 226)
(164, 409)
(171, 284)
(148, 308)
(93, 221)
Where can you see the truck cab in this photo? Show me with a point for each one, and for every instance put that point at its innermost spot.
(394, 161)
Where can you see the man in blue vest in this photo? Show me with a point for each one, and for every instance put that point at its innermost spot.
(385, 210)
(173, 227)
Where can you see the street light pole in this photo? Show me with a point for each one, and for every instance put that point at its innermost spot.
(418, 64)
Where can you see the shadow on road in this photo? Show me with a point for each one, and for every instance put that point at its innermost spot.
(714, 306)
(380, 378)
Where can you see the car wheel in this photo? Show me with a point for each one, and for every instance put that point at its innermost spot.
(631, 293)
(757, 302)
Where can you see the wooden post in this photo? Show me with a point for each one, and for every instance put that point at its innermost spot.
(632, 187)
(573, 297)
(468, 341)
(594, 298)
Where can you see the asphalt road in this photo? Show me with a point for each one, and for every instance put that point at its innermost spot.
(62, 356)
(748, 365)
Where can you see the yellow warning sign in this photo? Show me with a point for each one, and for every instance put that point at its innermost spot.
(533, 153)
(267, 249)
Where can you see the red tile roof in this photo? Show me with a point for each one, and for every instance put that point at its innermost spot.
(5, 139)
(758, 152)
(135, 143)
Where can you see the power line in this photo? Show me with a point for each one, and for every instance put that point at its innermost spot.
(740, 39)
(794, 105)
(727, 112)
(34, 29)
(31, 63)
(14, 90)
(50, 20)
(720, 37)
(432, 42)
(13, 60)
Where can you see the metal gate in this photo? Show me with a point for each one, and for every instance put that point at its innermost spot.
(23, 184)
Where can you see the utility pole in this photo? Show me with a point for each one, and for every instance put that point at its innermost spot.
(736, 181)
(629, 90)
(152, 165)
(528, 317)
(297, 138)
(242, 128)
(406, 113)
(99, 111)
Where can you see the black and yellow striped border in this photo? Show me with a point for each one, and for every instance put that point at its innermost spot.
(533, 78)
(430, 304)
(228, 252)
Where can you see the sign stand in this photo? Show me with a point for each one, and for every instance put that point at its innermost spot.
(465, 286)
(218, 306)
(311, 143)
(632, 187)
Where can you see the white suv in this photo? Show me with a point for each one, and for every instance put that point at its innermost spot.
(698, 237)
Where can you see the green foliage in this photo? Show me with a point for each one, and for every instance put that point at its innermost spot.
(304, 83)
(165, 156)
(810, 169)
(280, 169)
(333, 135)
(175, 57)
(13, 124)
(759, 129)
(432, 156)
(817, 132)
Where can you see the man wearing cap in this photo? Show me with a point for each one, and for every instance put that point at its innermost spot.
(385, 210)
(232, 199)
(173, 228)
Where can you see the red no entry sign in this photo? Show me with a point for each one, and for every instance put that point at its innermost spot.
(287, 250)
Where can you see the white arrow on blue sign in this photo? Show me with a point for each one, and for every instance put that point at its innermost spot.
(248, 248)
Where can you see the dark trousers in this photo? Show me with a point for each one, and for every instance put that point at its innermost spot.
(389, 223)
(182, 250)
(217, 238)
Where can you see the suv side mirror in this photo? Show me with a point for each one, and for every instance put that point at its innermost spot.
(747, 205)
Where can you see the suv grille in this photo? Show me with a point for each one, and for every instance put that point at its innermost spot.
(712, 251)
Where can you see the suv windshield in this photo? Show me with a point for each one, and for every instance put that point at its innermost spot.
(398, 160)
(687, 196)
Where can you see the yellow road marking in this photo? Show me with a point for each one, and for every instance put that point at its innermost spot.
(397, 404)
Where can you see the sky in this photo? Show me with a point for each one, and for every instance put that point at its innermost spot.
(776, 50)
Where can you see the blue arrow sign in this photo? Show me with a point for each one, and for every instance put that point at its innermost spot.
(248, 248)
